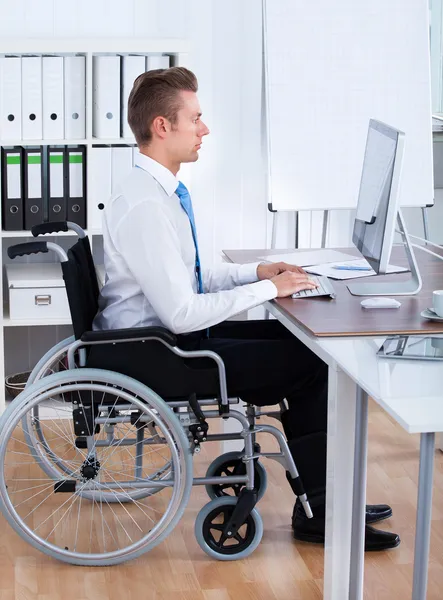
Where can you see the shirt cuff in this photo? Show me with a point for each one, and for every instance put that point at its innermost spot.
(264, 290)
(247, 273)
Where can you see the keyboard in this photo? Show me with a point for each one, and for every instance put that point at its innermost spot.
(325, 288)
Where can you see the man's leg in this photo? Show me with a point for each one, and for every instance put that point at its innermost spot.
(265, 364)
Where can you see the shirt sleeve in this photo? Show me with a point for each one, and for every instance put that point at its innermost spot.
(148, 241)
(227, 276)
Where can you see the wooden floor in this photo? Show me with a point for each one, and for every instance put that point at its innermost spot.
(279, 569)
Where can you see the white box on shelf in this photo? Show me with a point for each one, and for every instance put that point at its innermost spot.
(37, 292)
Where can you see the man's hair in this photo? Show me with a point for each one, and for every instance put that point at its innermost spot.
(154, 94)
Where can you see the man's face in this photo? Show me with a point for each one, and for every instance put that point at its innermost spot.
(185, 137)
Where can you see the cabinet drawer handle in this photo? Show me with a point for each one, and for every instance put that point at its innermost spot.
(43, 300)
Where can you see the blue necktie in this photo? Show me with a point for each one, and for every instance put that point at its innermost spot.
(185, 201)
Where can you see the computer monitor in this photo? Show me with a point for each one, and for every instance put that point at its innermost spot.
(378, 210)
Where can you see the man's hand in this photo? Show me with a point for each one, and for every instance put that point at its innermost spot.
(288, 283)
(268, 271)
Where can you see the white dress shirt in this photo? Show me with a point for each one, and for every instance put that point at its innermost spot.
(150, 262)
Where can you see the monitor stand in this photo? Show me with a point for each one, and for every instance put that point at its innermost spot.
(393, 288)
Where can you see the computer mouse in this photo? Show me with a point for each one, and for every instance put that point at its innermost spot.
(380, 303)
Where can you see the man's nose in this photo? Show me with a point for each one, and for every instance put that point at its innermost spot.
(205, 130)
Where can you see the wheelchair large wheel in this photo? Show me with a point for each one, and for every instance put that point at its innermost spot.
(70, 518)
(50, 460)
(230, 464)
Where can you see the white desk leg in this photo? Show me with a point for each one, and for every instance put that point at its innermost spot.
(339, 490)
(424, 510)
(359, 499)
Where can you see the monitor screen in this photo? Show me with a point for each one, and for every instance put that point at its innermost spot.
(375, 192)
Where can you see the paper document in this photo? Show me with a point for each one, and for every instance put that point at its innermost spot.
(334, 273)
(303, 258)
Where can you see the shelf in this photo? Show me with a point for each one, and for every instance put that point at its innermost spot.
(114, 45)
(21, 234)
(82, 142)
(43, 142)
(7, 322)
(179, 50)
(26, 234)
(113, 141)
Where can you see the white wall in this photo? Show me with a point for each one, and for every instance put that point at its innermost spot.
(228, 181)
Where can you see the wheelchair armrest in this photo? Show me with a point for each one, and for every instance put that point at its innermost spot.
(176, 357)
(134, 333)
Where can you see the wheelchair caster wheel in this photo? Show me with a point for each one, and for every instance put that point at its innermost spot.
(209, 531)
(231, 464)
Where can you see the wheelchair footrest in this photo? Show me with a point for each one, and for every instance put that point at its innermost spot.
(246, 502)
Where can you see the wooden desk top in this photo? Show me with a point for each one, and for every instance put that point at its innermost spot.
(344, 316)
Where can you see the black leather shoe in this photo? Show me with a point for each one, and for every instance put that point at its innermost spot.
(374, 512)
(377, 512)
(313, 530)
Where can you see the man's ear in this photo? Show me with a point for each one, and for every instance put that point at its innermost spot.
(161, 126)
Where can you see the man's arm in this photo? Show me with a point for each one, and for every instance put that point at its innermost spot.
(226, 276)
(148, 241)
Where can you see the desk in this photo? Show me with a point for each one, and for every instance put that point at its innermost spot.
(347, 338)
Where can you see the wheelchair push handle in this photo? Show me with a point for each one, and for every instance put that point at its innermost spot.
(27, 248)
(35, 248)
(51, 227)
(56, 227)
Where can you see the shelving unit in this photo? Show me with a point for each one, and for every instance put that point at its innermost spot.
(177, 49)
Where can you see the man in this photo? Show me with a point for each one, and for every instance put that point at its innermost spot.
(154, 277)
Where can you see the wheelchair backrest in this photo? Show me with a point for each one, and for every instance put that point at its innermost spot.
(81, 286)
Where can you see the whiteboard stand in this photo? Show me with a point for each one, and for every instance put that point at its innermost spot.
(324, 232)
(274, 226)
(424, 213)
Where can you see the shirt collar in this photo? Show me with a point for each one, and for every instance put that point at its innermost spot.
(161, 174)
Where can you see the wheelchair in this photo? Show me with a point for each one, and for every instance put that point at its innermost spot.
(96, 467)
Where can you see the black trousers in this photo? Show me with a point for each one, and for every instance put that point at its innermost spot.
(264, 364)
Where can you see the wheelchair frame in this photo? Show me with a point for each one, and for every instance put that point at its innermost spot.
(192, 416)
